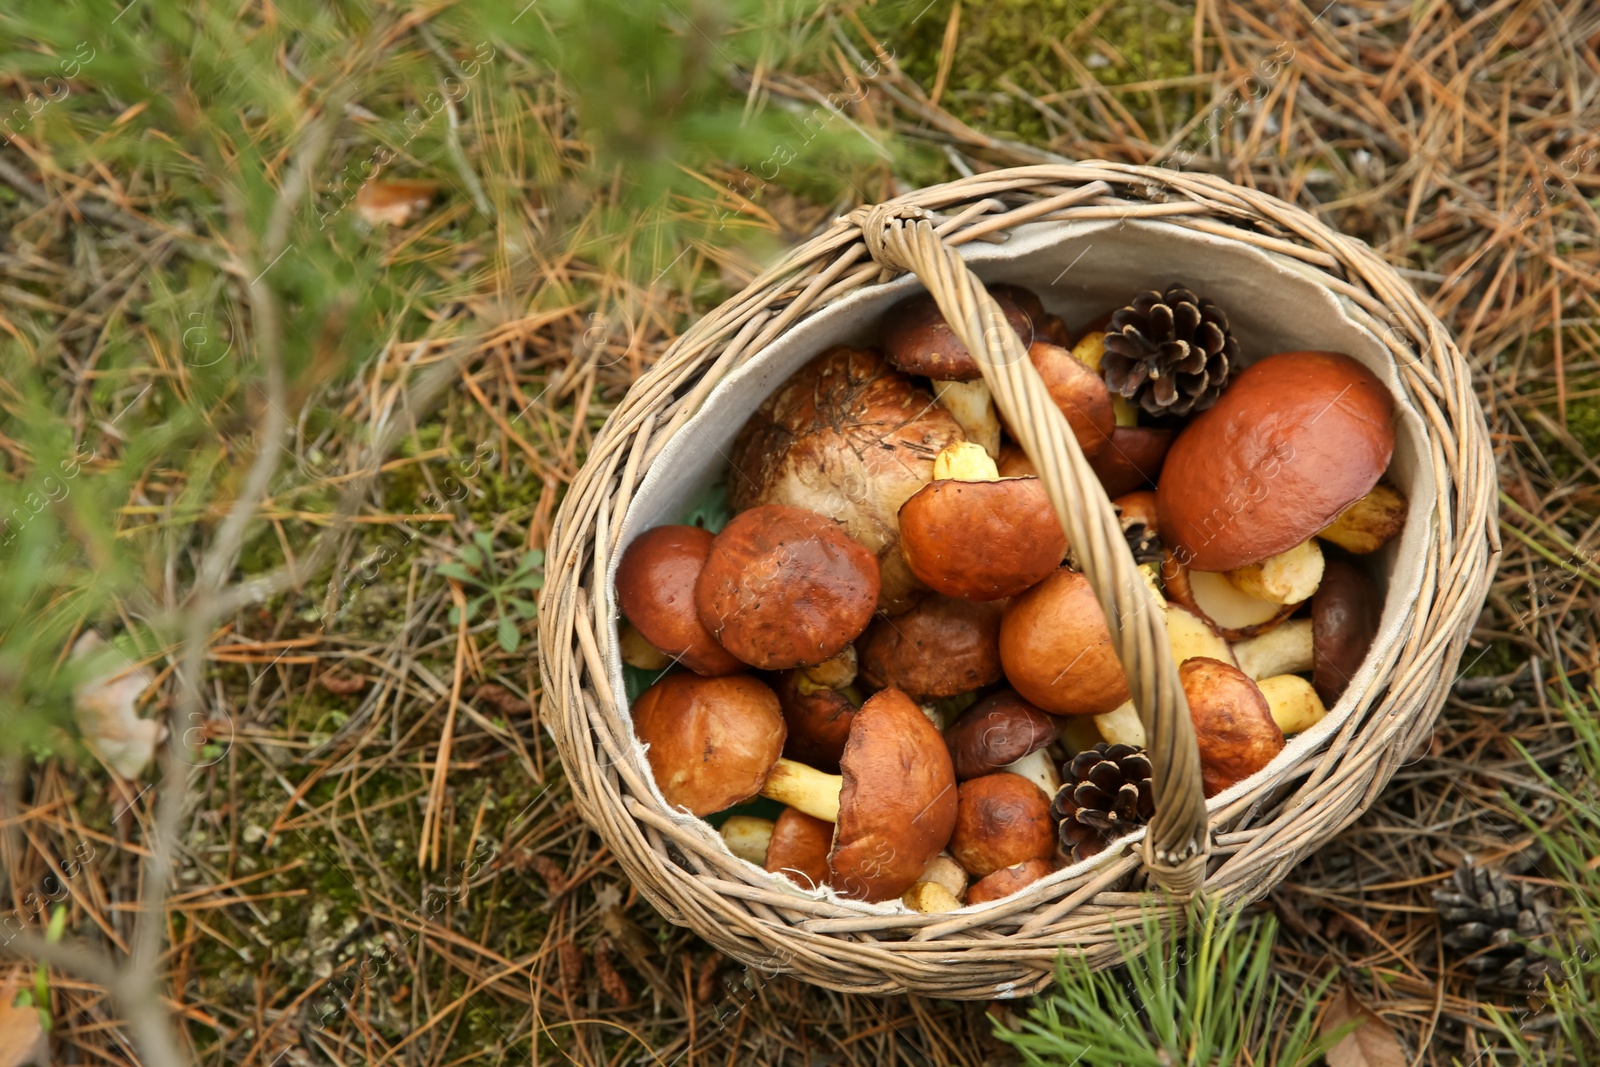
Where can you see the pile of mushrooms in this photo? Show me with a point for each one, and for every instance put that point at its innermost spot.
(890, 641)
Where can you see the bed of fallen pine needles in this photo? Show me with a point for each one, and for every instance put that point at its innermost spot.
(378, 861)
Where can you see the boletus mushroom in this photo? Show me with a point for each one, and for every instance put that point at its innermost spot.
(1003, 819)
(919, 342)
(849, 437)
(1233, 723)
(747, 836)
(1344, 621)
(655, 591)
(1231, 611)
(941, 886)
(997, 885)
(1003, 732)
(1078, 392)
(1056, 650)
(712, 741)
(818, 718)
(1292, 442)
(1132, 459)
(798, 849)
(940, 648)
(783, 586)
(970, 533)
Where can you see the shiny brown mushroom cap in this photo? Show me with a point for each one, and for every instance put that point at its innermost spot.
(783, 587)
(981, 540)
(1007, 880)
(799, 848)
(1345, 611)
(655, 591)
(995, 732)
(851, 438)
(1079, 393)
(1056, 650)
(1132, 459)
(1291, 442)
(918, 340)
(818, 719)
(898, 803)
(939, 648)
(1233, 725)
(1002, 819)
(712, 741)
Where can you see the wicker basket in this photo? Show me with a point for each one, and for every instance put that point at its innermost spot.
(1298, 283)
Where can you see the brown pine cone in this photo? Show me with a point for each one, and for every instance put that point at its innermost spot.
(1171, 352)
(1497, 924)
(1106, 795)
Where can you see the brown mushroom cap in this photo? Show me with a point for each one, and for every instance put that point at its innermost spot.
(897, 806)
(1290, 443)
(849, 437)
(981, 540)
(997, 731)
(1132, 459)
(941, 647)
(1345, 612)
(785, 586)
(655, 590)
(1080, 394)
(818, 719)
(1014, 462)
(712, 741)
(799, 848)
(1232, 722)
(1003, 819)
(918, 340)
(1007, 880)
(1057, 651)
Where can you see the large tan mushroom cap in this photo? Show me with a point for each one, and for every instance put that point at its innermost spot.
(712, 741)
(897, 807)
(1002, 819)
(939, 648)
(981, 540)
(1233, 724)
(1291, 442)
(918, 340)
(1057, 651)
(799, 848)
(851, 438)
(785, 587)
(655, 590)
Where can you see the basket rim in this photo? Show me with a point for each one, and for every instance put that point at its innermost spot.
(700, 358)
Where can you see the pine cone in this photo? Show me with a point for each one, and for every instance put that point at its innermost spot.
(1106, 796)
(1171, 352)
(1496, 922)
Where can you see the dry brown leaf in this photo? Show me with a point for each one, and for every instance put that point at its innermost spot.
(394, 202)
(22, 1040)
(1371, 1044)
(106, 708)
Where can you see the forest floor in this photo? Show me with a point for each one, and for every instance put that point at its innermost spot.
(379, 861)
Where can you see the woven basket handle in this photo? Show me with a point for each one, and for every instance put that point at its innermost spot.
(903, 238)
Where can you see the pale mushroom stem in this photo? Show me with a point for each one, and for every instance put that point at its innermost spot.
(1038, 768)
(940, 888)
(930, 898)
(1287, 578)
(748, 837)
(972, 405)
(835, 673)
(1284, 649)
(1370, 522)
(1293, 701)
(637, 651)
(805, 789)
(965, 462)
(1121, 725)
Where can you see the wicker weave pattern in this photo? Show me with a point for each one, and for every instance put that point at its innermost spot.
(1008, 948)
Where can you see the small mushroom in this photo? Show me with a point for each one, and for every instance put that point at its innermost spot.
(941, 886)
(1287, 578)
(712, 741)
(799, 849)
(1007, 880)
(1344, 620)
(940, 648)
(1002, 819)
(1292, 442)
(1078, 392)
(1056, 650)
(1003, 732)
(1293, 702)
(1233, 723)
(849, 437)
(919, 342)
(1286, 649)
(784, 586)
(747, 837)
(1369, 523)
(1132, 458)
(655, 591)
(972, 534)
(818, 719)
